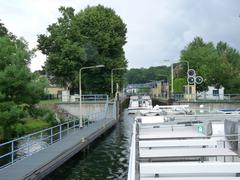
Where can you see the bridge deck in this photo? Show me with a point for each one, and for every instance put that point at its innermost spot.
(45, 161)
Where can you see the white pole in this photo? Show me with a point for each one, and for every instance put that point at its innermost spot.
(80, 92)
(187, 79)
(188, 82)
(172, 91)
(112, 82)
(112, 78)
(80, 99)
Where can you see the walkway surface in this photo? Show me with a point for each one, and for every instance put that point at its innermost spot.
(45, 161)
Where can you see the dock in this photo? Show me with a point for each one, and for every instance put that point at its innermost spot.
(64, 141)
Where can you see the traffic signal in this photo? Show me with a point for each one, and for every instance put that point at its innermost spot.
(199, 79)
(191, 72)
(192, 78)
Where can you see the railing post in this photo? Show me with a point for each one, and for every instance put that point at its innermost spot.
(41, 136)
(67, 128)
(28, 138)
(60, 132)
(74, 125)
(51, 136)
(12, 151)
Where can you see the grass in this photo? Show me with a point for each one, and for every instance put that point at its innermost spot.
(35, 125)
(51, 101)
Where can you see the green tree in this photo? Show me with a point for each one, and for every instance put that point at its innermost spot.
(144, 75)
(10, 113)
(219, 66)
(19, 88)
(202, 58)
(179, 85)
(95, 35)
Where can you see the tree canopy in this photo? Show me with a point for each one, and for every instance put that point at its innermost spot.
(19, 87)
(219, 65)
(95, 35)
(144, 75)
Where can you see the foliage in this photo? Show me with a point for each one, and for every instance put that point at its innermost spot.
(219, 65)
(20, 89)
(143, 90)
(43, 114)
(144, 75)
(179, 85)
(10, 113)
(95, 35)
(17, 83)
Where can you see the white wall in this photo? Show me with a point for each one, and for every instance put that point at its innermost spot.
(209, 94)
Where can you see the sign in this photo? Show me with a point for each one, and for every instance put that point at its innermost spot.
(200, 129)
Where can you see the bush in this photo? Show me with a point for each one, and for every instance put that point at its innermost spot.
(43, 114)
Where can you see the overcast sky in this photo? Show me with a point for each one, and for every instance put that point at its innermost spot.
(157, 29)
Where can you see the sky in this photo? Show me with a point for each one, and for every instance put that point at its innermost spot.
(157, 29)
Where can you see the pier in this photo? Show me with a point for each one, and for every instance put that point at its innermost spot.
(63, 142)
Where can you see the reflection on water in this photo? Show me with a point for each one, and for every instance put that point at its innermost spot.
(107, 157)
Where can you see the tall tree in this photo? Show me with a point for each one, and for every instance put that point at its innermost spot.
(18, 86)
(218, 65)
(95, 35)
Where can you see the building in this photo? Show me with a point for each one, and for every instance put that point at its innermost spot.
(160, 89)
(54, 91)
(212, 93)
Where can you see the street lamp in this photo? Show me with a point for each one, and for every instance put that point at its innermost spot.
(112, 78)
(172, 89)
(80, 91)
(187, 79)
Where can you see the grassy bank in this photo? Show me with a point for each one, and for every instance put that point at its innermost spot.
(27, 120)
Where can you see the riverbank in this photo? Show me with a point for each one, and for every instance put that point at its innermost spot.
(27, 120)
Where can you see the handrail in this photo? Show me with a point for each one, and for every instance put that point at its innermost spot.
(46, 137)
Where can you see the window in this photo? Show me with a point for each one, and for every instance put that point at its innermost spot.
(216, 92)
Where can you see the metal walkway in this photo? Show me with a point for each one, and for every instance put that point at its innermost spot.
(45, 161)
(35, 155)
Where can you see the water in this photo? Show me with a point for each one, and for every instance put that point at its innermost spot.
(107, 157)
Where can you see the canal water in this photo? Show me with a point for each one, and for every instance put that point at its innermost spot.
(107, 157)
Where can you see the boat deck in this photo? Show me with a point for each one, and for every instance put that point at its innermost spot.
(178, 151)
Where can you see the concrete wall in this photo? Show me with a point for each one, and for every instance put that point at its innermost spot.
(87, 108)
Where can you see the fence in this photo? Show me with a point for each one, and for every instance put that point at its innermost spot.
(25, 146)
(207, 97)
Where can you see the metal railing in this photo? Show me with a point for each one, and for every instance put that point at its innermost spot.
(207, 97)
(25, 146)
(89, 98)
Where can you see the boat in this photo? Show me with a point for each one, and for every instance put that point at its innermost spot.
(167, 150)
(167, 110)
(138, 103)
(230, 111)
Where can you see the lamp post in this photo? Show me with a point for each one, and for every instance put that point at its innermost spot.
(172, 89)
(187, 79)
(80, 91)
(112, 78)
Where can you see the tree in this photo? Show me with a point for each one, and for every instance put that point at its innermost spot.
(95, 35)
(17, 83)
(202, 58)
(219, 65)
(144, 75)
(19, 87)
